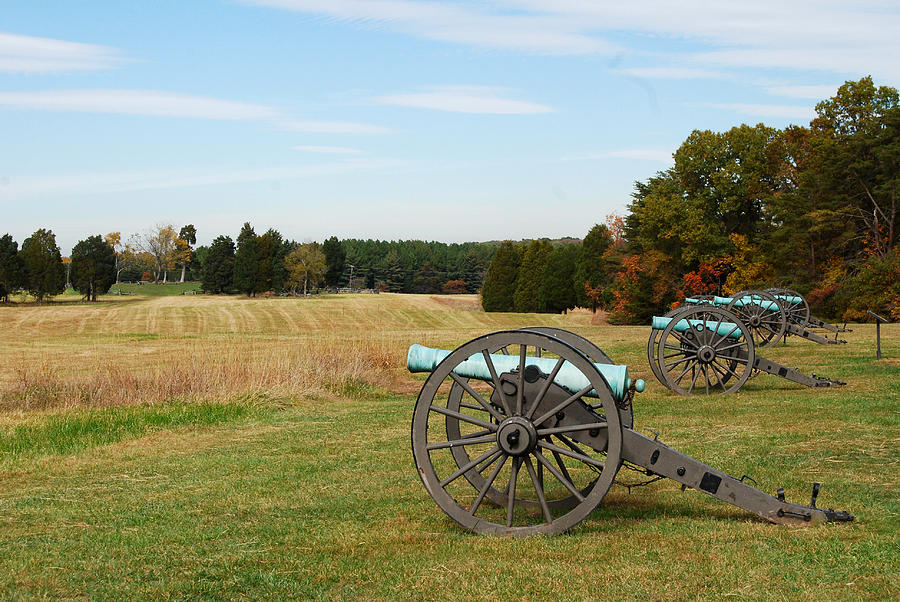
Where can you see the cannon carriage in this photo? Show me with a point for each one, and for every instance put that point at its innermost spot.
(520, 433)
(707, 349)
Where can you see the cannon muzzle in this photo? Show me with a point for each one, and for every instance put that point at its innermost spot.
(426, 359)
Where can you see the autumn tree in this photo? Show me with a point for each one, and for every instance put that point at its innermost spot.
(305, 266)
(44, 272)
(12, 269)
(246, 261)
(93, 268)
(187, 238)
(218, 266)
(160, 244)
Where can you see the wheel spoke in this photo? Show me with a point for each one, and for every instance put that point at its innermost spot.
(468, 466)
(683, 372)
(706, 377)
(571, 429)
(687, 358)
(521, 386)
(511, 496)
(497, 387)
(539, 490)
(559, 477)
(476, 396)
(545, 387)
(572, 454)
(487, 485)
(464, 441)
(694, 381)
(464, 417)
(564, 404)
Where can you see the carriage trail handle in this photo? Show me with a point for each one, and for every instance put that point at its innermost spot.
(425, 359)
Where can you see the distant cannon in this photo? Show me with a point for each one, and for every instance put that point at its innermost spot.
(770, 317)
(709, 349)
(797, 309)
(520, 433)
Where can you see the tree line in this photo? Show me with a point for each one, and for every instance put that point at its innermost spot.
(250, 264)
(811, 208)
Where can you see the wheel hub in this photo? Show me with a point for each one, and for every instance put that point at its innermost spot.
(517, 436)
(755, 321)
(706, 354)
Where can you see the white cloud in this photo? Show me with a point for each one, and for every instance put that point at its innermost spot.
(767, 110)
(28, 54)
(465, 99)
(458, 22)
(136, 102)
(850, 38)
(811, 92)
(328, 150)
(167, 104)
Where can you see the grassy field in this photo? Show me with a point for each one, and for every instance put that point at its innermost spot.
(194, 446)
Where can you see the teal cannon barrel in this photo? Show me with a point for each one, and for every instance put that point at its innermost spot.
(729, 329)
(426, 359)
(726, 301)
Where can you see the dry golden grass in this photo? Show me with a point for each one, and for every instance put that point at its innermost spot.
(208, 348)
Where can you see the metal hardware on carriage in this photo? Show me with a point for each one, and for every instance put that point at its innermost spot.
(564, 433)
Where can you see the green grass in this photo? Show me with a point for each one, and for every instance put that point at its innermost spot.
(148, 289)
(294, 498)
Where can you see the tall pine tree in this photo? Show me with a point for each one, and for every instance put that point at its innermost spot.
(501, 279)
(246, 261)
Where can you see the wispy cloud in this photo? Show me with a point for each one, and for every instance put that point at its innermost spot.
(767, 110)
(850, 38)
(328, 150)
(811, 92)
(28, 54)
(475, 24)
(465, 99)
(72, 184)
(167, 104)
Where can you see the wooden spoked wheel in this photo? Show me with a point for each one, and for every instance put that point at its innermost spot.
(797, 311)
(705, 350)
(509, 426)
(763, 315)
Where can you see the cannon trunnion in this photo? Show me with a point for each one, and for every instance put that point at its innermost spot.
(522, 432)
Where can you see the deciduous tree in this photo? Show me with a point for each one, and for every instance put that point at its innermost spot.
(305, 266)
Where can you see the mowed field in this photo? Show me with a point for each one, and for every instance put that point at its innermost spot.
(224, 447)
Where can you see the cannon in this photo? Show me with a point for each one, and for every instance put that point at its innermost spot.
(797, 309)
(770, 317)
(704, 348)
(521, 432)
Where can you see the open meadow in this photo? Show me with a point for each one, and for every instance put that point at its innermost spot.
(201, 446)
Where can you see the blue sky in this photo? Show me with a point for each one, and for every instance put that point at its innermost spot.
(390, 119)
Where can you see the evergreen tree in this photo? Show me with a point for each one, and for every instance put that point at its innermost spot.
(93, 268)
(557, 293)
(12, 270)
(335, 258)
(267, 245)
(592, 267)
(501, 279)
(218, 266)
(246, 261)
(528, 284)
(44, 271)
